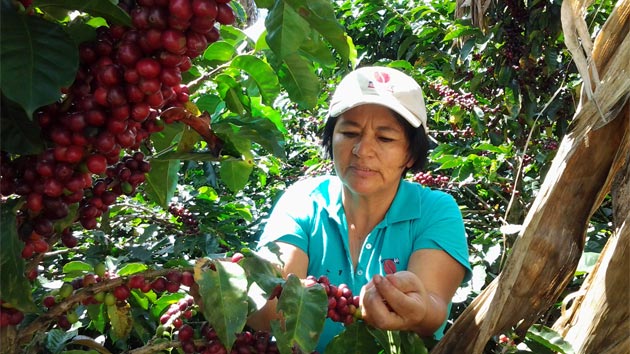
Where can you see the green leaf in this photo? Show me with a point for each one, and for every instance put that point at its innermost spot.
(18, 135)
(354, 339)
(261, 131)
(549, 338)
(233, 35)
(304, 311)
(38, 59)
(264, 4)
(224, 296)
(161, 181)
(14, 286)
(261, 73)
(235, 174)
(261, 271)
(219, 52)
(77, 267)
(389, 340)
(56, 339)
(410, 342)
(300, 81)
(286, 30)
(97, 316)
(209, 103)
(103, 8)
(132, 268)
(188, 156)
(317, 50)
(232, 93)
(320, 14)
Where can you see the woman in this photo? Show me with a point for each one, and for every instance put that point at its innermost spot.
(348, 225)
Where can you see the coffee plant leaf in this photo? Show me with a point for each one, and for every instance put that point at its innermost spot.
(97, 314)
(304, 312)
(315, 49)
(261, 271)
(38, 59)
(101, 8)
(219, 52)
(120, 318)
(549, 339)
(299, 80)
(19, 135)
(132, 268)
(263, 75)
(235, 173)
(390, 341)
(224, 297)
(233, 35)
(240, 132)
(264, 4)
(410, 342)
(161, 181)
(286, 29)
(14, 286)
(232, 93)
(320, 15)
(354, 339)
(56, 339)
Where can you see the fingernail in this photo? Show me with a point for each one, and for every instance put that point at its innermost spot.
(377, 279)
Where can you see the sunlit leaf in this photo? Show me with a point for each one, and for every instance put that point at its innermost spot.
(304, 311)
(235, 174)
(77, 266)
(224, 296)
(220, 52)
(354, 339)
(262, 73)
(120, 319)
(321, 16)
(549, 338)
(132, 268)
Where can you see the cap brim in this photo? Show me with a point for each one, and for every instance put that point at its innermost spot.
(337, 110)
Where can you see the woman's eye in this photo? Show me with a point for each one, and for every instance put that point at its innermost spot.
(349, 134)
(385, 140)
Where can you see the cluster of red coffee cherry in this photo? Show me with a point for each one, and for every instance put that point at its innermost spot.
(430, 180)
(127, 76)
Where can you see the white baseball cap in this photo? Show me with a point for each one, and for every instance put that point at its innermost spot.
(383, 86)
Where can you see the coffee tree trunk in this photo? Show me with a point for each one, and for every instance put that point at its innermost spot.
(599, 319)
(546, 253)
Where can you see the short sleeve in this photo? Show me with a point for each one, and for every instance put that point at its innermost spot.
(442, 227)
(290, 219)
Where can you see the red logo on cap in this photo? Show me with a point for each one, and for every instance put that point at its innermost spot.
(381, 77)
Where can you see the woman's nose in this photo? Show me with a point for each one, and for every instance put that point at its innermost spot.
(363, 147)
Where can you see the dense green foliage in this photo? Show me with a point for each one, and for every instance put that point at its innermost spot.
(500, 100)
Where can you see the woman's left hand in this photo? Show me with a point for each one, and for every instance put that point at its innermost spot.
(397, 301)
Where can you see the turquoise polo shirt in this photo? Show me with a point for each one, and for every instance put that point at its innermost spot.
(310, 215)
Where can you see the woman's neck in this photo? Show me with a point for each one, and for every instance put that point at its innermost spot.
(364, 213)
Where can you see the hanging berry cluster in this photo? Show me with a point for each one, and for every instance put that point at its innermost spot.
(127, 76)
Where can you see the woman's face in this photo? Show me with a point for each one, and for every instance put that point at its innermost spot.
(370, 150)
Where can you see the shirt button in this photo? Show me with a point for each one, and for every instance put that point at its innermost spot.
(368, 246)
(360, 272)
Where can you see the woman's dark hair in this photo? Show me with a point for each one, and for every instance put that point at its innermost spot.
(417, 137)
